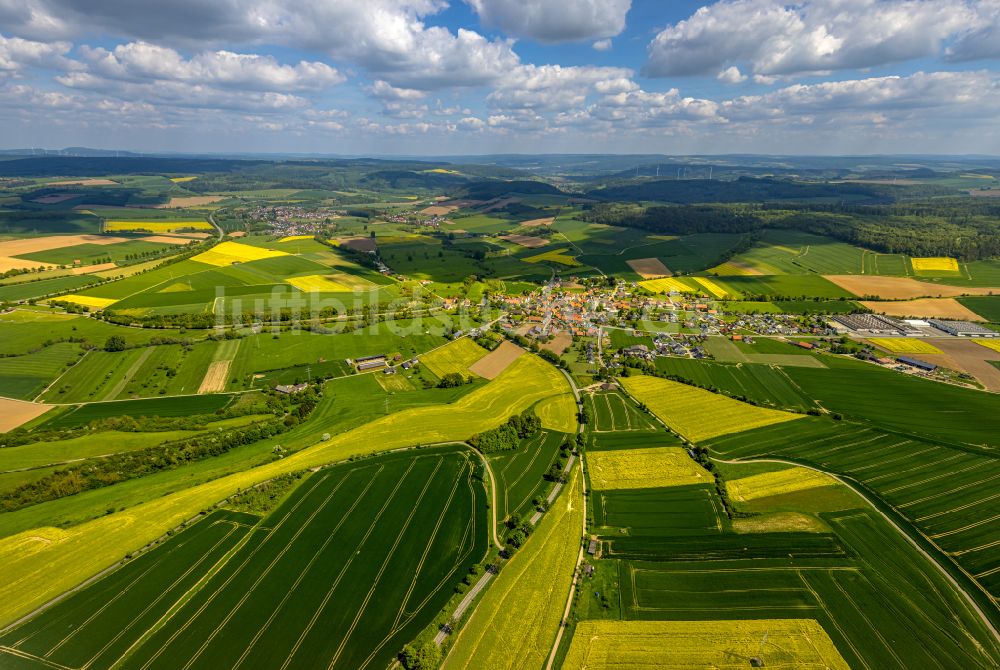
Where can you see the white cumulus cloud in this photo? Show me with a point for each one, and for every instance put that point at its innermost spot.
(554, 20)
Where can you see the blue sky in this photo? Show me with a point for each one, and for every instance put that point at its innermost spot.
(488, 76)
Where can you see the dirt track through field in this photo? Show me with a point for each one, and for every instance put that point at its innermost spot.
(14, 413)
(903, 288)
(127, 377)
(215, 377)
(930, 308)
(492, 364)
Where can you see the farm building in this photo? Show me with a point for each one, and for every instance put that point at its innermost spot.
(804, 345)
(963, 328)
(371, 364)
(290, 388)
(874, 324)
(917, 363)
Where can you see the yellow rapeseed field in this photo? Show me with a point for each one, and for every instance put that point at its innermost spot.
(292, 238)
(712, 287)
(317, 283)
(644, 468)
(560, 256)
(227, 253)
(456, 356)
(558, 413)
(697, 414)
(667, 284)
(720, 645)
(516, 622)
(40, 563)
(87, 301)
(905, 345)
(776, 483)
(181, 180)
(935, 264)
(156, 226)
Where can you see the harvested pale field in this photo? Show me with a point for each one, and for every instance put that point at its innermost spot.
(654, 467)
(697, 414)
(14, 413)
(358, 243)
(780, 522)
(776, 483)
(154, 226)
(991, 193)
(164, 239)
(86, 301)
(902, 288)
(9, 263)
(214, 380)
(199, 236)
(318, 283)
(227, 253)
(492, 364)
(438, 210)
(88, 269)
(292, 238)
(83, 182)
(34, 244)
(649, 268)
(527, 241)
(238, 233)
(559, 343)
(191, 201)
(792, 644)
(54, 198)
(534, 223)
(934, 264)
(970, 356)
(904, 345)
(930, 308)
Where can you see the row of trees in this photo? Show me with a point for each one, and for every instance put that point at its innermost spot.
(969, 230)
(507, 436)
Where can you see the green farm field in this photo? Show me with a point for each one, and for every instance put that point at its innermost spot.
(941, 491)
(527, 598)
(104, 540)
(612, 412)
(437, 516)
(519, 473)
(675, 555)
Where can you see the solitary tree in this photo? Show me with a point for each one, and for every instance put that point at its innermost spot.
(115, 343)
